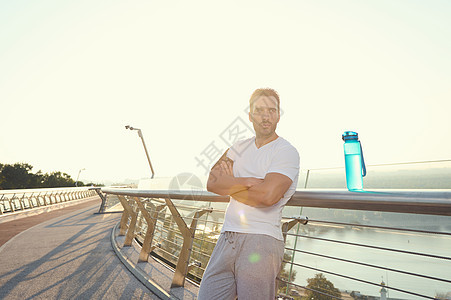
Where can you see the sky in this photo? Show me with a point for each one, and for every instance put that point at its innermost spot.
(74, 73)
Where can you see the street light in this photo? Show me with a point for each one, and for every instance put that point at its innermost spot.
(76, 182)
(144, 144)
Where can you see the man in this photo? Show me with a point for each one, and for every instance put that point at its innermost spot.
(260, 174)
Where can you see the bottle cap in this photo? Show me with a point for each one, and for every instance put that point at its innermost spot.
(350, 135)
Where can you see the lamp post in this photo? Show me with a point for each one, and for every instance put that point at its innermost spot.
(76, 182)
(144, 144)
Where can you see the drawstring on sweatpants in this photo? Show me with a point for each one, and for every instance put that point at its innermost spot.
(230, 237)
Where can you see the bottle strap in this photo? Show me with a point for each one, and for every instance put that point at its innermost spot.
(363, 161)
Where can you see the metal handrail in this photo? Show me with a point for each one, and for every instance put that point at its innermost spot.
(433, 202)
(45, 190)
(23, 199)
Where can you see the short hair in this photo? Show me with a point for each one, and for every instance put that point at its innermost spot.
(264, 92)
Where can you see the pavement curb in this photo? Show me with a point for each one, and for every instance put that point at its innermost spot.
(140, 275)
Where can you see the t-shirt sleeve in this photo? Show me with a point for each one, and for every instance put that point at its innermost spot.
(231, 152)
(237, 148)
(286, 162)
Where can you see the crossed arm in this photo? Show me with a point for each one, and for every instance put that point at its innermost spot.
(248, 190)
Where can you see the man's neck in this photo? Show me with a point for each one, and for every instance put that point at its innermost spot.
(260, 141)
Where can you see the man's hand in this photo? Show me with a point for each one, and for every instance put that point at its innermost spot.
(227, 169)
(227, 166)
(222, 181)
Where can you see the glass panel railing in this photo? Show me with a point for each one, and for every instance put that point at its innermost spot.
(418, 175)
(357, 250)
(415, 175)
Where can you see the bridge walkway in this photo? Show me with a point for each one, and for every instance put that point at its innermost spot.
(65, 254)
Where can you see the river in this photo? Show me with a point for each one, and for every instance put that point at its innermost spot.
(432, 244)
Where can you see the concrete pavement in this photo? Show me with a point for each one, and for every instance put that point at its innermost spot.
(67, 257)
(12, 224)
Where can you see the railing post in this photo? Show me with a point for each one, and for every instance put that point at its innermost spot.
(22, 202)
(12, 206)
(30, 200)
(286, 226)
(123, 223)
(182, 267)
(2, 208)
(30, 203)
(128, 211)
(151, 220)
(38, 200)
(103, 197)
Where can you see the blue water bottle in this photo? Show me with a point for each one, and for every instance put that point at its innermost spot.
(354, 163)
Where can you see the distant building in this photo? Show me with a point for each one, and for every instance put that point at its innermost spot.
(383, 291)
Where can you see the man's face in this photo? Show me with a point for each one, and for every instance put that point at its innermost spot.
(264, 116)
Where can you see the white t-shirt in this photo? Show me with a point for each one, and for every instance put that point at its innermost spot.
(278, 156)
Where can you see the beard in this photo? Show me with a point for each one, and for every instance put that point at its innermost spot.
(264, 129)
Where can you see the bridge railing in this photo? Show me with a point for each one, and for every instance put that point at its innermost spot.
(358, 239)
(23, 199)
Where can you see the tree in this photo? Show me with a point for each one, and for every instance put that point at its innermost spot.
(57, 179)
(285, 274)
(17, 176)
(440, 296)
(321, 289)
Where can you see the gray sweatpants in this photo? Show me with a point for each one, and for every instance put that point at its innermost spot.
(242, 265)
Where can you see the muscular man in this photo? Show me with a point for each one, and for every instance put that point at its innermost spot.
(260, 174)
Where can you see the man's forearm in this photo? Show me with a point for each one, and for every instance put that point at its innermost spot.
(266, 194)
(221, 180)
(252, 197)
(224, 184)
